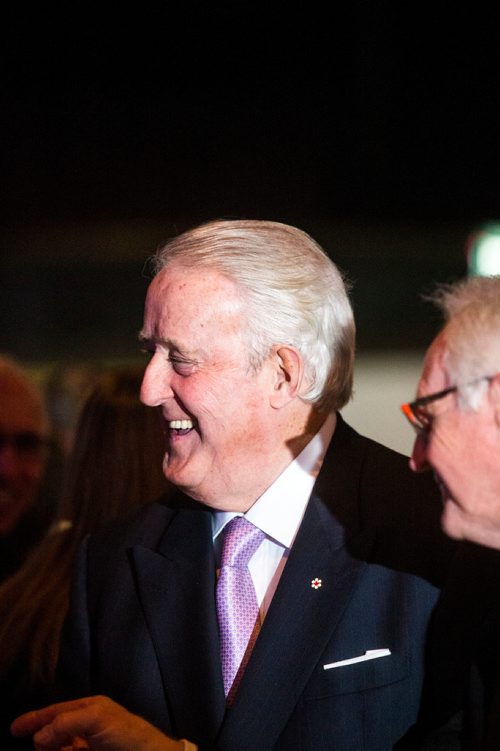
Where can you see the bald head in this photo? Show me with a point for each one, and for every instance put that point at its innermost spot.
(23, 434)
(20, 398)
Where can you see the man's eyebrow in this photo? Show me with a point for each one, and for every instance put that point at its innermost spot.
(155, 340)
(167, 344)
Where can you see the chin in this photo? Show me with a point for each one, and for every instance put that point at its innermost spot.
(181, 480)
(449, 523)
(443, 489)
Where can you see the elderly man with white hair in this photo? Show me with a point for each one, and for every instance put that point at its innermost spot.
(457, 412)
(282, 600)
(457, 420)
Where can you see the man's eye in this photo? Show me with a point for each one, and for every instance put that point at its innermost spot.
(182, 367)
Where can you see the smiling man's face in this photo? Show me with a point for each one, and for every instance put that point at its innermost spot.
(22, 452)
(222, 444)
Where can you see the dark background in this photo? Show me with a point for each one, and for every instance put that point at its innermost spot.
(373, 126)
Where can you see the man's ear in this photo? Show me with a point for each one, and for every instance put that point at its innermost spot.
(289, 372)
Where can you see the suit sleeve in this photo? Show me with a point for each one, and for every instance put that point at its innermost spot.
(73, 673)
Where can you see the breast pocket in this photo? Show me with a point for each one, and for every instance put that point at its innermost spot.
(358, 676)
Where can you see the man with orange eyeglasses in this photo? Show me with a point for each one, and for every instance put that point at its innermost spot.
(457, 420)
(457, 414)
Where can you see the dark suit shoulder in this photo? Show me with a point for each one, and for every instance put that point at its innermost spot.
(145, 526)
(374, 490)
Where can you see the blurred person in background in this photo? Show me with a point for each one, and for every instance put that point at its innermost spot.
(27, 460)
(114, 467)
(66, 389)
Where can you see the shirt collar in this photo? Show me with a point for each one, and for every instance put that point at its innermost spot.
(279, 510)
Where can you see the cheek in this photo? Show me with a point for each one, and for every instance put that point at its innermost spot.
(209, 406)
(448, 455)
(437, 449)
(37, 469)
(30, 472)
(238, 425)
(231, 402)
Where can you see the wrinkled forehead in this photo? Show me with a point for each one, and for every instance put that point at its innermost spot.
(179, 295)
(177, 277)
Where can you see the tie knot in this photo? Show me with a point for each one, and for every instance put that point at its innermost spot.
(241, 540)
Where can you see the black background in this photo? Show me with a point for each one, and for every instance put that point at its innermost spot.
(374, 126)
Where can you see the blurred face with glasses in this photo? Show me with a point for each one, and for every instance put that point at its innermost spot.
(23, 449)
(461, 445)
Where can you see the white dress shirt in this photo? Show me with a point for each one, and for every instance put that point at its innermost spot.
(278, 513)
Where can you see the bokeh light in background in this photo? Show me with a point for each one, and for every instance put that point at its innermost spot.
(483, 251)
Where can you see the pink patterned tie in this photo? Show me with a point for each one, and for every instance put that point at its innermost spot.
(237, 608)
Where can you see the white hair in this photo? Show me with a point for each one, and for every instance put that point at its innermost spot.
(293, 294)
(472, 334)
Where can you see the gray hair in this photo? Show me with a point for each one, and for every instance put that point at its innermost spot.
(293, 294)
(472, 334)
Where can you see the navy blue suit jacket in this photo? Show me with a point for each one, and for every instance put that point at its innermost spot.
(143, 625)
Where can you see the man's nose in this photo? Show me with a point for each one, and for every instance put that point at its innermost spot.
(156, 388)
(419, 461)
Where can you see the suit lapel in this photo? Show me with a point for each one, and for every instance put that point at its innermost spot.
(176, 586)
(302, 618)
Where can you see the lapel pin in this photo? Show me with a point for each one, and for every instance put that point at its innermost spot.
(316, 583)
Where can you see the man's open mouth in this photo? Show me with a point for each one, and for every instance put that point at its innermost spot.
(180, 427)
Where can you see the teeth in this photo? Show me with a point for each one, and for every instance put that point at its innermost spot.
(180, 424)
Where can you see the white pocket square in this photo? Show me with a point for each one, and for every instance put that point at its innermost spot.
(370, 654)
